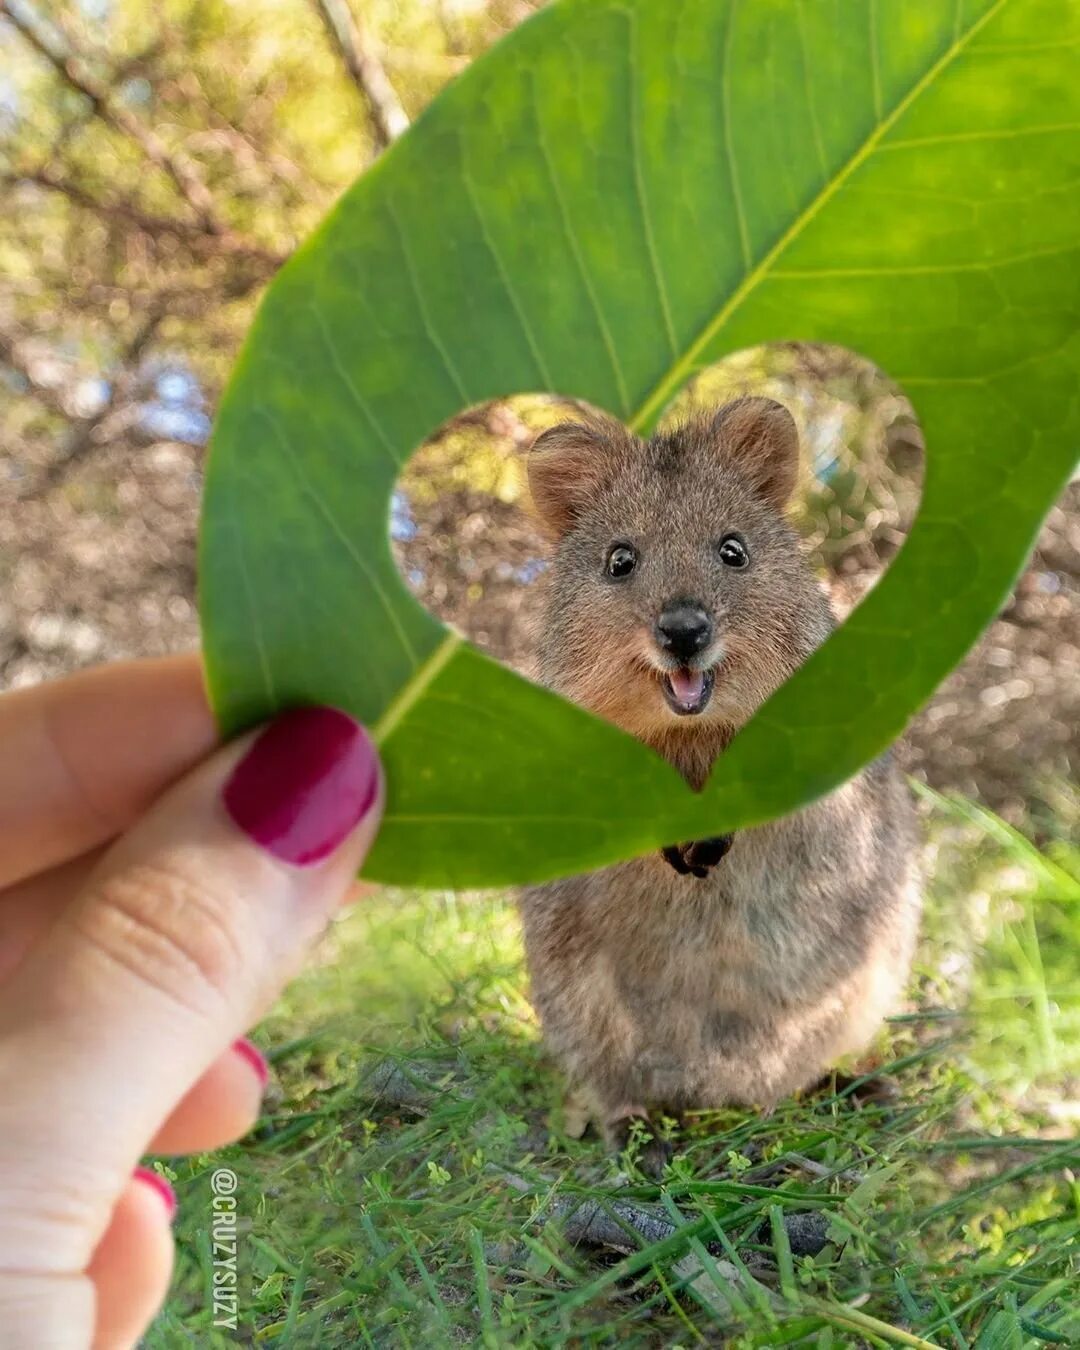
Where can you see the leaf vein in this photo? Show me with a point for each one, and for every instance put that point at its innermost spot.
(293, 459)
(487, 818)
(425, 314)
(579, 259)
(413, 690)
(927, 269)
(351, 386)
(504, 276)
(875, 58)
(639, 184)
(733, 168)
(692, 358)
(982, 134)
(256, 627)
(815, 128)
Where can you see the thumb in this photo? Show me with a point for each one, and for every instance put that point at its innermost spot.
(185, 931)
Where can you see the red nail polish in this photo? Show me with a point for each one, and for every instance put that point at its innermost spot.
(250, 1051)
(157, 1182)
(308, 780)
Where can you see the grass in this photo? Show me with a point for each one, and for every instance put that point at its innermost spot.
(412, 1182)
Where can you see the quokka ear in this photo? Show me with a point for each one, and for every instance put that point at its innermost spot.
(758, 436)
(568, 466)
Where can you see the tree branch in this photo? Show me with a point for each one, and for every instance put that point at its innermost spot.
(359, 53)
(74, 72)
(188, 88)
(81, 434)
(119, 209)
(11, 355)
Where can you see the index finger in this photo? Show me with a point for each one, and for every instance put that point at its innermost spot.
(83, 757)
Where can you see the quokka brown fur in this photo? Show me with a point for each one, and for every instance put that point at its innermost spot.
(677, 601)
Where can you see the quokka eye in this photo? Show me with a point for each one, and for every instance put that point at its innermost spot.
(621, 561)
(733, 552)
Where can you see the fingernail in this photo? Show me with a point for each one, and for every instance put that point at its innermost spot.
(157, 1182)
(305, 784)
(250, 1051)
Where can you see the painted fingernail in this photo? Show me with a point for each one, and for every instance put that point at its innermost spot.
(157, 1182)
(305, 784)
(250, 1051)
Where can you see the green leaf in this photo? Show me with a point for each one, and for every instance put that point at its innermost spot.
(619, 194)
(782, 1247)
(1042, 1333)
(1002, 1332)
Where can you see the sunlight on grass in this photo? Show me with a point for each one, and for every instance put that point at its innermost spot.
(410, 1183)
(1012, 945)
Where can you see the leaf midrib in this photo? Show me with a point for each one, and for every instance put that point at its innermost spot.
(681, 370)
(415, 687)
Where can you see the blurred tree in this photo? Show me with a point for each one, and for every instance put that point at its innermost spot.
(158, 163)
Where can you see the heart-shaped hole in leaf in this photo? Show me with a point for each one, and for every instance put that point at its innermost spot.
(472, 551)
(618, 195)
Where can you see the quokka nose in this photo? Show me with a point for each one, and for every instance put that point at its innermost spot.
(683, 630)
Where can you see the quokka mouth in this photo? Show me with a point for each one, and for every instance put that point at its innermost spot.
(688, 691)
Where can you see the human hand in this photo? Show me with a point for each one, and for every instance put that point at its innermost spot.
(155, 895)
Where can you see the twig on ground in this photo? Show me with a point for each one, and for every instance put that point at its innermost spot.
(406, 1085)
(590, 1222)
(626, 1227)
(819, 1170)
(596, 1221)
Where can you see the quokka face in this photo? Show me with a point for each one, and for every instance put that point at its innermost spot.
(678, 598)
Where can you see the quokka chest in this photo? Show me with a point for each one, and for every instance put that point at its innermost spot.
(738, 941)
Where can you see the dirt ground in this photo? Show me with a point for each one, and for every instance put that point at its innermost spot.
(103, 566)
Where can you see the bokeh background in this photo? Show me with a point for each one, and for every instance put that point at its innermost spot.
(158, 164)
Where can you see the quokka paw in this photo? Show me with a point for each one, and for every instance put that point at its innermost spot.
(872, 1089)
(637, 1137)
(699, 857)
